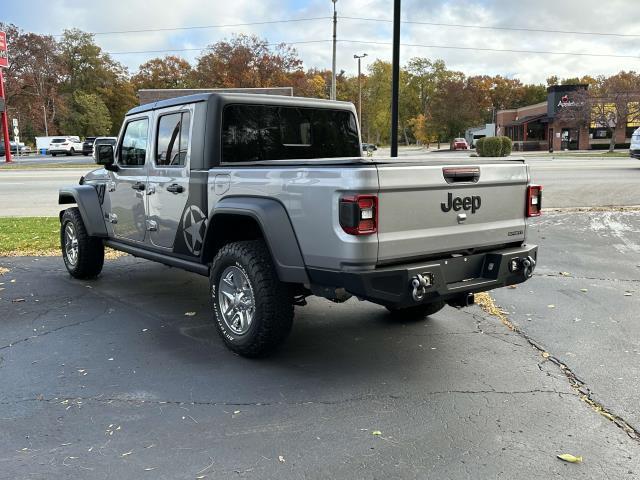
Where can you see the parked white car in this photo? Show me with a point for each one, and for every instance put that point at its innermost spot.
(65, 146)
(634, 150)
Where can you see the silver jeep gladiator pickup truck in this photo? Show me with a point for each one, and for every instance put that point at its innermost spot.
(272, 199)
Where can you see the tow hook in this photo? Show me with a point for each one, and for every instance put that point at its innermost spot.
(419, 284)
(528, 265)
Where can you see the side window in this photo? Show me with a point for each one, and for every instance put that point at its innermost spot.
(173, 139)
(134, 143)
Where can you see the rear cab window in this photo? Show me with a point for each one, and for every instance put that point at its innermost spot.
(264, 132)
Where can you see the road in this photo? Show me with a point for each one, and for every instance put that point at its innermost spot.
(567, 183)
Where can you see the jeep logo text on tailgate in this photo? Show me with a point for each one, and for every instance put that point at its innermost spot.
(467, 203)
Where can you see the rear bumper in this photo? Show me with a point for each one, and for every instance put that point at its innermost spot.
(452, 277)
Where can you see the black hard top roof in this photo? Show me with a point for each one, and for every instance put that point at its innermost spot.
(252, 98)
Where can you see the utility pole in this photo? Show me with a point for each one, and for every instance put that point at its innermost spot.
(46, 127)
(359, 57)
(395, 79)
(333, 64)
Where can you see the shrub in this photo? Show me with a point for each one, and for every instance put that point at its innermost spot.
(480, 146)
(492, 147)
(506, 146)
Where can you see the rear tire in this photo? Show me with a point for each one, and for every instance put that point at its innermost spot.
(253, 310)
(417, 312)
(71, 152)
(83, 254)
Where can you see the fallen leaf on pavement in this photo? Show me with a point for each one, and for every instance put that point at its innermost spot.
(127, 453)
(376, 433)
(280, 458)
(626, 294)
(18, 300)
(551, 306)
(189, 314)
(567, 457)
(565, 274)
(148, 469)
(3, 270)
(546, 354)
(584, 290)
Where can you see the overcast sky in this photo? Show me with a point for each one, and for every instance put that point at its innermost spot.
(604, 16)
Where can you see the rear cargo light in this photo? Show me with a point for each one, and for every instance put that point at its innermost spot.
(534, 200)
(359, 214)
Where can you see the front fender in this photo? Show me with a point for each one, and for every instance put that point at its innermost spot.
(277, 230)
(86, 197)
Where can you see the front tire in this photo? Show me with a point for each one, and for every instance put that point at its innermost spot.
(417, 312)
(253, 310)
(83, 254)
(54, 154)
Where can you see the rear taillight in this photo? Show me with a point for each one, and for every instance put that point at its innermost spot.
(534, 200)
(359, 214)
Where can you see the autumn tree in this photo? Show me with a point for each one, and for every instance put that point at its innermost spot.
(167, 72)
(246, 62)
(33, 79)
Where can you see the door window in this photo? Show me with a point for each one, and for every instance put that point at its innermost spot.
(133, 150)
(173, 139)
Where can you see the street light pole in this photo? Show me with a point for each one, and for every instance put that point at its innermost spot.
(46, 127)
(395, 78)
(359, 57)
(333, 64)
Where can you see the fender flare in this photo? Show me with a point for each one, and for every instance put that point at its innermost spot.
(278, 232)
(86, 197)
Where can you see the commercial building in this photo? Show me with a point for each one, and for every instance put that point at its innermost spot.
(542, 127)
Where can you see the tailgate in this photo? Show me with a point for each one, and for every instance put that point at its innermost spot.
(428, 209)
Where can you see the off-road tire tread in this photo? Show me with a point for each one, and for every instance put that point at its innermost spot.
(273, 295)
(417, 312)
(90, 249)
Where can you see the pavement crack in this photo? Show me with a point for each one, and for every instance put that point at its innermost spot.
(560, 275)
(101, 400)
(581, 388)
(53, 330)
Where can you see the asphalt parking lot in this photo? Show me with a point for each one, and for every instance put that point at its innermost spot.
(125, 376)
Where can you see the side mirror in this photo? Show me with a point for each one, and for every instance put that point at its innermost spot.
(105, 156)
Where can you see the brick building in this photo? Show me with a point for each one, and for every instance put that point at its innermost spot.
(539, 127)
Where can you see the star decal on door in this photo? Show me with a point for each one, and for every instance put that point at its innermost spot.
(194, 224)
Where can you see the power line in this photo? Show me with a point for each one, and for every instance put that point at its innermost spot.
(419, 45)
(366, 19)
(502, 50)
(489, 27)
(207, 48)
(202, 27)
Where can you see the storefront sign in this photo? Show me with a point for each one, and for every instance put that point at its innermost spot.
(4, 57)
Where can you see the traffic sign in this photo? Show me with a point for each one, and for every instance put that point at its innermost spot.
(15, 122)
(4, 56)
(16, 139)
(16, 131)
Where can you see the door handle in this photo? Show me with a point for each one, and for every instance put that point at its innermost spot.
(138, 186)
(175, 188)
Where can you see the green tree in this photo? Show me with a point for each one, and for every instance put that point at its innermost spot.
(88, 116)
